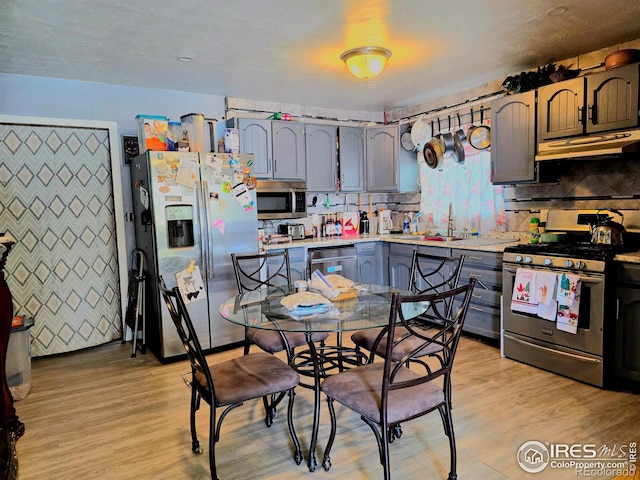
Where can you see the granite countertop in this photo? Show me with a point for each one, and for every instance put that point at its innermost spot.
(632, 257)
(486, 244)
(483, 243)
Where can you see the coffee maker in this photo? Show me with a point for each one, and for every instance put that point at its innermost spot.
(384, 222)
(364, 223)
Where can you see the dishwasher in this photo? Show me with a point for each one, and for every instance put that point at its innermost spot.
(342, 260)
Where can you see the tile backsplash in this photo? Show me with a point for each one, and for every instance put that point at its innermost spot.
(580, 184)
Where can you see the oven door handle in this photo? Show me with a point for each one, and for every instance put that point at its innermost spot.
(584, 279)
(556, 352)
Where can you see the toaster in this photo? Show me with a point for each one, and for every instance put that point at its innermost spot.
(296, 230)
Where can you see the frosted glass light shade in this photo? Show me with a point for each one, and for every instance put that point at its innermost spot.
(366, 62)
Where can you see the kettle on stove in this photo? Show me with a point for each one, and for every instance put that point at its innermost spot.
(606, 231)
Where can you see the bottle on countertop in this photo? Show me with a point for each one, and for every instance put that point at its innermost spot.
(405, 224)
(415, 222)
(338, 226)
(364, 223)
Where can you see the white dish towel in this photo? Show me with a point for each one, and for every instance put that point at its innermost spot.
(546, 295)
(568, 302)
(524, 292)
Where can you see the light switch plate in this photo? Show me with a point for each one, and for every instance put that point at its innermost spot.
(130, 148)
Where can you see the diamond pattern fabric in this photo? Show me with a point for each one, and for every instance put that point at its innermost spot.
(57, 201)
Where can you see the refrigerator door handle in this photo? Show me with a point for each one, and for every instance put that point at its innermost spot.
(205, 224)
(202, 225)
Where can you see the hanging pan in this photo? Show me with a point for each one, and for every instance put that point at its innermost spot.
(421, 132)
(406, 142)
(432, 152)
(479, 137)
(446, 138)
(459, 137)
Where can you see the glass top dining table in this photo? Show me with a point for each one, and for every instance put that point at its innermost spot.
(370, 309)
(262, 309)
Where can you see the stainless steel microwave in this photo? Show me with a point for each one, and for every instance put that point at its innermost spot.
(281, 199)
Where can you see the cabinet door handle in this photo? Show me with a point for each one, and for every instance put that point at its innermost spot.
(592, 114)
(581, 115)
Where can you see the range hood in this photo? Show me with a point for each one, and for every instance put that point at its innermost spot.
(597, 146)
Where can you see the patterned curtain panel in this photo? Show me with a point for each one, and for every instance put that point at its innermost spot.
(57, 202)
(476, 202)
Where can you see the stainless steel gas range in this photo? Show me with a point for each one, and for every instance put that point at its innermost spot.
(584, 353)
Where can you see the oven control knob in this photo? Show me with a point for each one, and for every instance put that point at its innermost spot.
(568, 263)
(518, 258)
(581, 265)
(528, 259)
(548, 261)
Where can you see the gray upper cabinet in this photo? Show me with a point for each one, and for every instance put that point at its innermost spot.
(255, 137)
(288, 144)
(278, 147)
(321, 157)
(382, 145)
(513, 139)
(388, 167)
(600, 102)
(351, 151)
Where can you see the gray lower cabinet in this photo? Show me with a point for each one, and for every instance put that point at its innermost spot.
(627, 335)
(400, 256)
(483, 316)
(351, 159)
(370, 263)
(321, 157)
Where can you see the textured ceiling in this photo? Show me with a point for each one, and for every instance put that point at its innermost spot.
(289, 50)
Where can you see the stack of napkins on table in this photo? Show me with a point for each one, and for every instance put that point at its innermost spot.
(304, 304)
(331, 285)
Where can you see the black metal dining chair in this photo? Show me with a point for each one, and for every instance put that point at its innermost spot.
(398, 390)
(228, 384)
(269, 269)
(428, 274)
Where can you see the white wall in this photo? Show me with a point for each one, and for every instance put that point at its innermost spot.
(50, 97)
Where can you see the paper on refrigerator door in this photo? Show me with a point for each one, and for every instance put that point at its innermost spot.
(243, 196)
(191, 285)
(188, 173)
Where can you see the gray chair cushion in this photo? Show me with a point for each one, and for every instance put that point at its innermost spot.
(366, 338)
(249, 376)
(271, 341)
(360, 390)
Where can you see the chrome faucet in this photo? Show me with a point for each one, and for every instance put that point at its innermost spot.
(450, 224)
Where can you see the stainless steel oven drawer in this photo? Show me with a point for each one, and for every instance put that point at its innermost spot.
(564, 361)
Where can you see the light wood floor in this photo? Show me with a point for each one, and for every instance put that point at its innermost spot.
(99, 414)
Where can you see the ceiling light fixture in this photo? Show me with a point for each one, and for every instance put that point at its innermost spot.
(366, 62)
(554, 12)
(185, 58)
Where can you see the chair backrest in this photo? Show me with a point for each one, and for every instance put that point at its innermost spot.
(430, 274)
(188, 337)
(261, 270)
(449, 309)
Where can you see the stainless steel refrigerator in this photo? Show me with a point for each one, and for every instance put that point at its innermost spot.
(192, 210)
